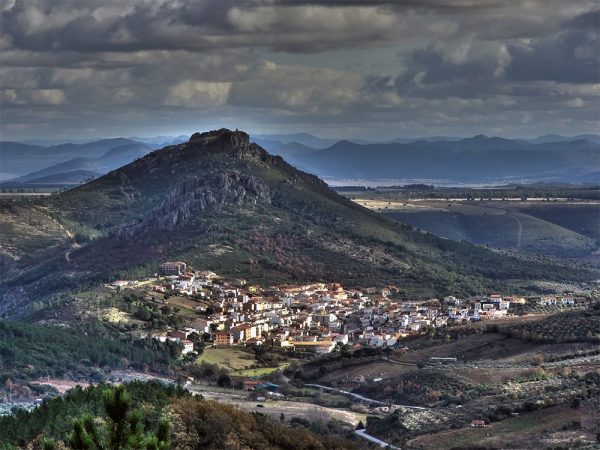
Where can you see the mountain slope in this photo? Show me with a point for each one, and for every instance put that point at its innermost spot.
(511, 229)
(222, 203)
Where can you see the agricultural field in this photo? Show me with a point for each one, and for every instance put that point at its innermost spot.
(557, 426)
(378, 369)
(493, 375)
(570, 326)
(469, 348)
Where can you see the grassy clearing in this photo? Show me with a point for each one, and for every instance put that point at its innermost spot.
(240, 362)
(228, 357)
(259, 372)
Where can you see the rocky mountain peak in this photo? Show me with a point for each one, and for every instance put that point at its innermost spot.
(223, 137)
(233, 143)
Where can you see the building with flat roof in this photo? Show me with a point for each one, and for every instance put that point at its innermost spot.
(172, 268)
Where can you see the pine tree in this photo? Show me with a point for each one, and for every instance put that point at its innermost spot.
(123, 428)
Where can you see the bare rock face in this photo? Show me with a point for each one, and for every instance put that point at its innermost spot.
(220, 141)
(223, 137)
(235, 144)
(194, 195)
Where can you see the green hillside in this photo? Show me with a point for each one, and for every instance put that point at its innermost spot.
(222, 203)
(582, 219)
(543, 228)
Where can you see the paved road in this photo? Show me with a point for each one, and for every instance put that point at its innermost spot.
(360, 397)
(363, 434)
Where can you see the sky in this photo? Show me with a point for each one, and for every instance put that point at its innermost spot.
(77, 69)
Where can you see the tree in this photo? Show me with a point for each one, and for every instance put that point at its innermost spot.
(224, 380)
(123, 428)
(360, 426)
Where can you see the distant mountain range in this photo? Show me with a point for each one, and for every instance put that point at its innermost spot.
(595, 138)
(480, 159)
(30, 164)
(64, 172)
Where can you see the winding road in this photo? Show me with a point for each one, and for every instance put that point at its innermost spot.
(363, 434)
(361, 397)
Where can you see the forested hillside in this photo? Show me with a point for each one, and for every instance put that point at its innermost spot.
(192, 422)
(28, 352)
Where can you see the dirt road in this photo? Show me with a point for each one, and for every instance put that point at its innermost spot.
(274, 408)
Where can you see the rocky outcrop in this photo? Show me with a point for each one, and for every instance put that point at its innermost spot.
(194, 195)
(225, 138)
(235, 144)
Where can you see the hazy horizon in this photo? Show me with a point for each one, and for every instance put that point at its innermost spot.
(47, 140)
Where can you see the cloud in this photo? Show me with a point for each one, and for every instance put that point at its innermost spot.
(198, 94)
(338, 66)
(48, 96)
(125, 25)
(38, 97)
(575, 103)
(296, 88)
(569, 56)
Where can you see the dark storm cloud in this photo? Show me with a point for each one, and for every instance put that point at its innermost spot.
(571, 56)
(523, 66)
(587, 20)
